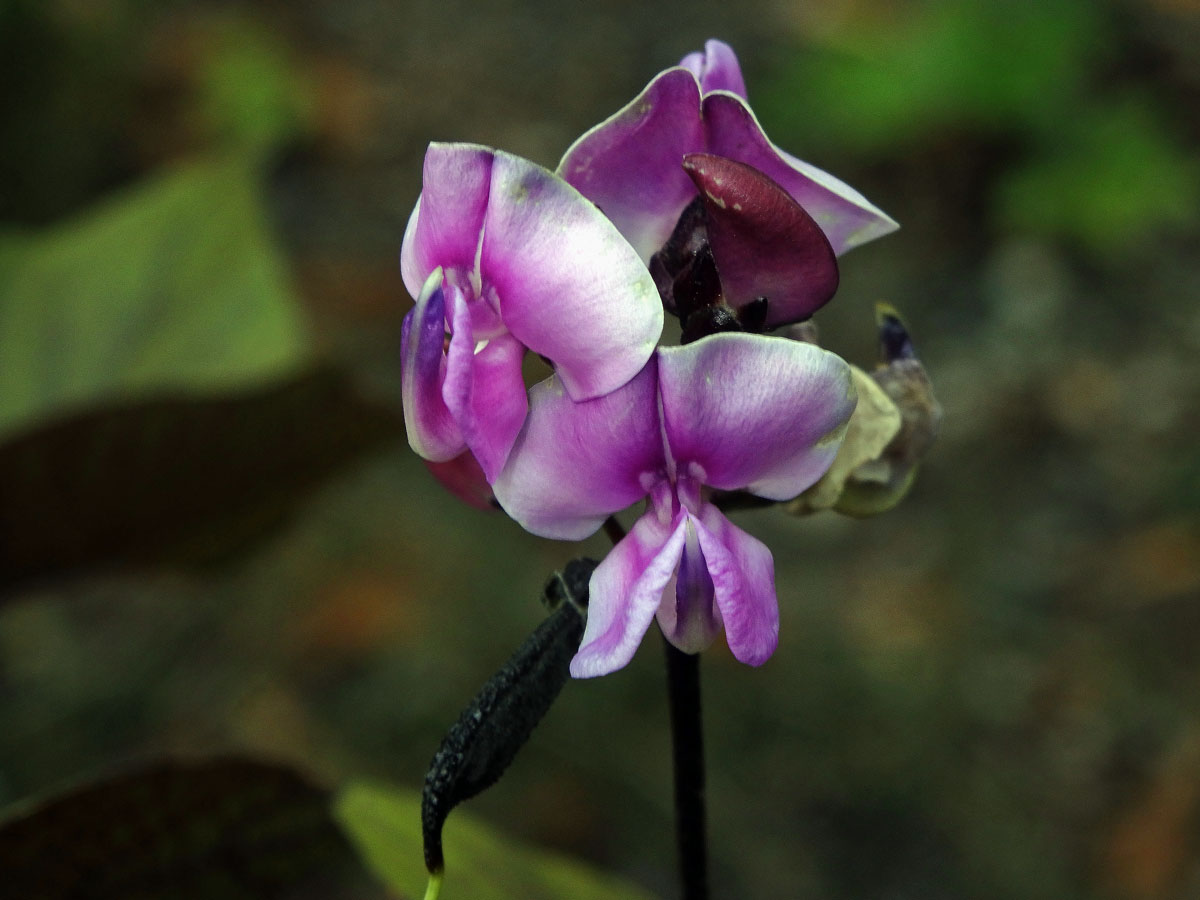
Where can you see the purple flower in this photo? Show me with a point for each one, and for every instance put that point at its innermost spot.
(631, 164)
(505, 255)
(730, 412)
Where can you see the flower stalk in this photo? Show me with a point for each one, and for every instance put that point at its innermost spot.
(687, 745)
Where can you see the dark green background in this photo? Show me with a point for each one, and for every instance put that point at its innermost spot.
(214, 537)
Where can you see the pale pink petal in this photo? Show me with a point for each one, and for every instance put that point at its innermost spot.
(624, 593)
(463, 477)
(444, 228)
(489, 403)
(743, 577)
(763, 241)
(432, 431)
(575, 463)
(716, 68)
(688, 614)
(846, 216)
(629, 164)
(460, 354)
(766, 414)
(568, 285)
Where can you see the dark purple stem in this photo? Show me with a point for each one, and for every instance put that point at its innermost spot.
(687, 742)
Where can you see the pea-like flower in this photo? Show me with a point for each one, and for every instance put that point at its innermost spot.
(729, 412)
(630, 164)
(503, 256)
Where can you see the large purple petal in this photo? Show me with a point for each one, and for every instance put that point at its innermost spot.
(629, 164)
(576, 463)
(766, 414)
(743, 576)
(484, 390)
(846, 216)
(568, 285)
(444, 228)
(716, 68)
(625, 591)
(764, 243)
(688, 614)
(432, 430)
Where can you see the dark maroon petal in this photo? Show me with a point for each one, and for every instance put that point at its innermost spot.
(463, 477)
(764, 242)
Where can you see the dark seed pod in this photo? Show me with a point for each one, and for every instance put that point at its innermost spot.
(498, 722)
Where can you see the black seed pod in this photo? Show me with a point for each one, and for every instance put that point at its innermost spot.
(498, 722)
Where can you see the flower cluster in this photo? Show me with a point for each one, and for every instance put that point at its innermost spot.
(677, 202)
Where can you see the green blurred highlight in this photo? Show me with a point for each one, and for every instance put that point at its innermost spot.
(177, 286)
(481, 864)
(1104, 172)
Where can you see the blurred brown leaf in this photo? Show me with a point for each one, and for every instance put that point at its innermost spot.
(176, 481)
(228, 828)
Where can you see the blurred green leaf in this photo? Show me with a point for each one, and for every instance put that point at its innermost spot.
(177, 480)
(225, 829)
(1114, 176)
(173, 286)
(480, 864)
(250, 95)
(909, 73)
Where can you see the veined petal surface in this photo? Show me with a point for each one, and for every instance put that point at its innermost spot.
(743, 576)
(445, 226)
(765, 414)
(625, 592)
(688, 614)
(492, 409)
(629, 164)
(574, 464)
(716, 68)
(569, 286)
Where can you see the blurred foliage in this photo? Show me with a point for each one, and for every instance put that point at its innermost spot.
(235, 827)
(1110, 176)
(89, 92)
(989, 693)
(176, 286)
(220, 829)
(177, 480)
(66, 92)
(1027, 75)
(907, 72)
(248, 92)
(385, 824)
